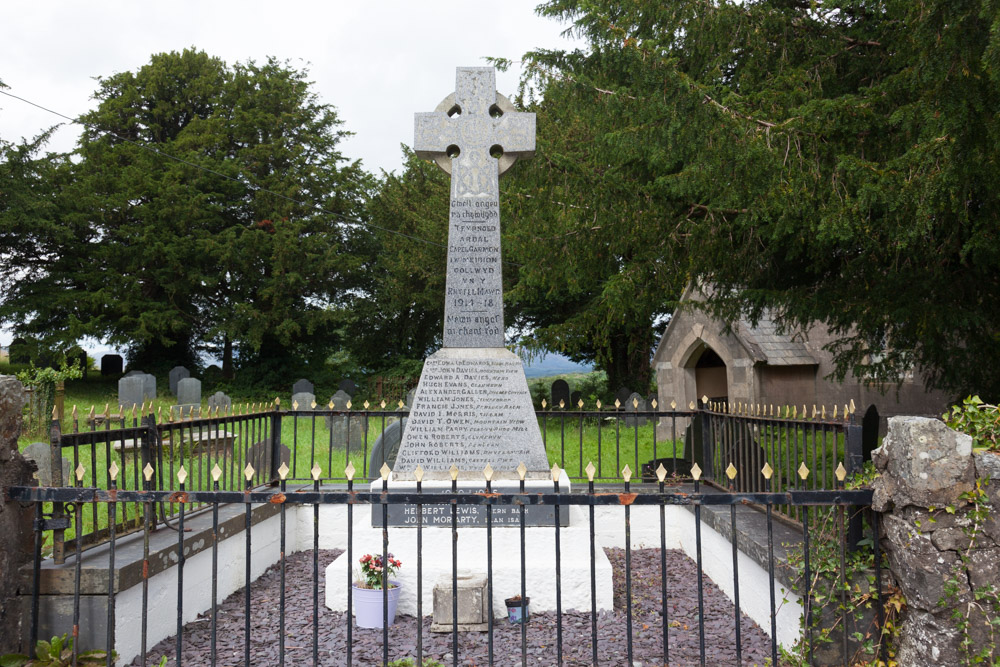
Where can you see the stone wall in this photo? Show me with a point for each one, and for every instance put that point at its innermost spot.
(941, 530)
(15, 520)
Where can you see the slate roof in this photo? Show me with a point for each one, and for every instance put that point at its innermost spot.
(776, 349)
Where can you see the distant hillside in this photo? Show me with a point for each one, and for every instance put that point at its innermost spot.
(555, 364)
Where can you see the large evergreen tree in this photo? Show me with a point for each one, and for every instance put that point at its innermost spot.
(210, 250)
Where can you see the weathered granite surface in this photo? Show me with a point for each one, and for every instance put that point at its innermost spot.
(939, 553)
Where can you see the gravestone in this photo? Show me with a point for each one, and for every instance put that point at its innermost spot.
(149, 386)
(259, 456)
(41, 454)
(212, 375)
(111, 364)
(221, 401)
(630, 406)
(348, 387)
(303, 385)
(131, 391)
(304, 399)
(177, 373)
(345, 429)
(386, 448)
(560, 392)
(189, 391)
(574, 399)
(134, 372)
(622, 395)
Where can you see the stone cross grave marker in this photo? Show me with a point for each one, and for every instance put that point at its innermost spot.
(465, 136)
(472, 406)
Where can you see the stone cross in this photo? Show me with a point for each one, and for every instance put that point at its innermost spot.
(475, 135)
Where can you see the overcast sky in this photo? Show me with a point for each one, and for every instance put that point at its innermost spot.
(377, 61)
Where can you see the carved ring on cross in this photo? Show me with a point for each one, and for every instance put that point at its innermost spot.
(504, 162)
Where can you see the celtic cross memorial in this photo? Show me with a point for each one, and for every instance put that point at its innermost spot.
(472, 406)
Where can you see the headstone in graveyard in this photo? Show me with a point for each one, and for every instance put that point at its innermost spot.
(212, 375)
(189, 391)
(303, 385)
(133, 372)
(259, 456)
(221, 401)
(386, 448)
(41, 454)
(304, 400)
(149, 386)
(575, 398)
(19, 351)
(622, 395)
(348, 387)
(635, 403)
(560, 392)
(472, 406)
(347, 429)
(131, 391)
(177, 373)
(111, 364)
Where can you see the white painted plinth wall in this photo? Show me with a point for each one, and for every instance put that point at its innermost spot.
(540, 569)
(540, 548)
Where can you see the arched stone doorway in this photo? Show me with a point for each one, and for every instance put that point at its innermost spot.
(710, 375)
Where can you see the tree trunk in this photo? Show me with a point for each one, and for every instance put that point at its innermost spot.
(227, 358)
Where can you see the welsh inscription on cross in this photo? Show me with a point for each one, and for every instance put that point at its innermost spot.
(475, 134)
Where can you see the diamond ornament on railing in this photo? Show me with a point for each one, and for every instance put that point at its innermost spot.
(767, 470)
(147, 472)
(618, 404)
(182, 475)
(840, 472)
(673, 405)
(556, 472)
(590, 470)
(248, 472)
(626, 473)
(366, 404)
(579, 404)
(661, 473)
(113, 470)
(731, 471)
(295, 405)
(521, 470)
(696, 472)
(384, 471)
(418, 473)
(316, 471)
(80, 471)
(653, 403)
(803, 471)
(453, 471)
(562, 403)
(283, 471)
(216, 472)
(488, 473)
(349, 471)
(544, 404)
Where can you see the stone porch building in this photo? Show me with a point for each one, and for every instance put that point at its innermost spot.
(757, 364)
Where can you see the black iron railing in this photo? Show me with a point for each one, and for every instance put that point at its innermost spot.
(315, 495)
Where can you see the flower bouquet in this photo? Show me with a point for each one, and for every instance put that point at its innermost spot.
(372, 571)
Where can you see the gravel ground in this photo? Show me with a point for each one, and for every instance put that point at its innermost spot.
(682, 615)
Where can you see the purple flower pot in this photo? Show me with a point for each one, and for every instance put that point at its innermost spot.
(368, 605)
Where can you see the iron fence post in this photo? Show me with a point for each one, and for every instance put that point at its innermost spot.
(55, 449)
(275, 443)
(854, 455)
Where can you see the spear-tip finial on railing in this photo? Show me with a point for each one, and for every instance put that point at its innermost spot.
(803, 471)
(579, 404)
(692, 406)
(626, 473)
(147, 471)
(556, 472)
(295, 405)
(653, 403)
(384, 471)
(767, 470)
(598, 404)
(840, 472)
(521, 470)
(696, 472)
(673, 405)
(283, 471)
(277, 402)
(562, 404)
(216, 472)
(418, 473)
(618, 404)
(731, 471)
(590, 470)
(81, 471)
(488, 473)
(316, 471)
(400, 404)
(544, 404)
(852, 406)
(382, 404)
(453, 471)
(365, 404)
(349, 471)
(248, 472)
(635, 403)
(661, 473)
(55, 412)
(182, 475)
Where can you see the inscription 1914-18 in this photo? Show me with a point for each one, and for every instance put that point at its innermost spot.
(474, 296)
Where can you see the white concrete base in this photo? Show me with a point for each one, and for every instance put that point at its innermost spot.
(540, 579)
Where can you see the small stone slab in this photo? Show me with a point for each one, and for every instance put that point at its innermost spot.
(177, 373)
(111, 364)
(386, 448)
(304, 399)
(630, 406)
(219, 400)
(189, 391)
(473, 603)
(303, 385)
(560, 392)
(473, 516)
(41, 454)
(346, 430)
